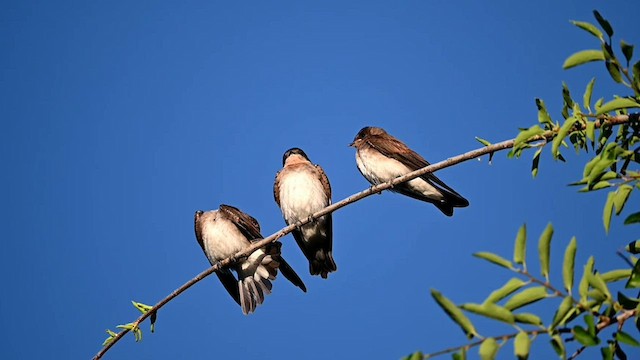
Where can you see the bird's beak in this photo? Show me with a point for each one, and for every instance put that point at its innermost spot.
(352, 144)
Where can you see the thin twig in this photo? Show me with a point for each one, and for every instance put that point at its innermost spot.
(507, 144)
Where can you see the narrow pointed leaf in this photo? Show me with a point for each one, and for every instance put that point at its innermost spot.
(607, 211)
(568, 267)
(627, 50)
(586, 98)
(496, 259)
(591, 326)
(526, 297)
(460, 355)
(558, 346)
(561, 313)
(528, 318)
(522, 346)
(489, 349)
(607, 352)
(591, 131)
(603, 23)
(562, 134)
(616, 275)
(483, 141)
(633, 247)
(584, 283)
(632, 219)
(617, 104)
(626, 302)
(634, 280)
(490, 310)
(582, 57)
(527, 134)
(625, 338)
(544, 250)
(543, 114)
(620, 199)
(589, 28)
(513, 285)
(520, 247)
(584, 337)
(454, 313)
(596, 282)
(614, 71)
(535, 163)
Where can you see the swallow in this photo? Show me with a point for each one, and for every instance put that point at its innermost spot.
(222, 233)
(301, 189)
(381, 157)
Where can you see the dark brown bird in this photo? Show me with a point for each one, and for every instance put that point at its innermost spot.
(381, 157)
(301, 189)
(222, 233)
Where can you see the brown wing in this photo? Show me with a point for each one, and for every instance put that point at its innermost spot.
(396, 149)
(276, 188)
(246, 223)
(198, 228)
(324, 180)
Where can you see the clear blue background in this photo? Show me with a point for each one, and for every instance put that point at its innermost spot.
(120, 119)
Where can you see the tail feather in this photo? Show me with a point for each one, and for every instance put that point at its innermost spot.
(322, 263)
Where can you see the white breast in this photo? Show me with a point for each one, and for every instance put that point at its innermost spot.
(378, 169)
(222, 239)
(301, 194)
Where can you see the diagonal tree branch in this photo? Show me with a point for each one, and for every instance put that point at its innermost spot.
(507, 144)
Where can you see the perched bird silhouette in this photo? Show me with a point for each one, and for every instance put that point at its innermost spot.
(381, 157)
(301, 189)
(222, 233)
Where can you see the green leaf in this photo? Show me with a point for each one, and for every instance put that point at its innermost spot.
(490, 310)
(520, 247)
(634, 280)
(633, 247)
(558, 346)
(536, 162)
(584, 337)
(454, 313)
(496, 259)
(543, 114)
(632, 219)
(603, 23)
(607, 352)
(617, 104)
(596, 282)
(528, 318)
(620, 199)
(584, 283)
(591, 326)
(544, 250)
(589, 28)
(415, 356)
(608, 211)
(483, 141)
(507, 289)
(616, 275)
(583, 57)
(591, 131)
(627, 50)
(569, 264)
(561, 313)
(489, 349)
(625, 338)
(527, 134)
(526, 297)
(461, 355)
(614, 71)
(586, 98)
(626, 302)
(522, 346)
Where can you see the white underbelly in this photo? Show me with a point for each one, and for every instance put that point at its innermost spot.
(300, 196)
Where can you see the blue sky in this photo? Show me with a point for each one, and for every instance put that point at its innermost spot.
(122, 118)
